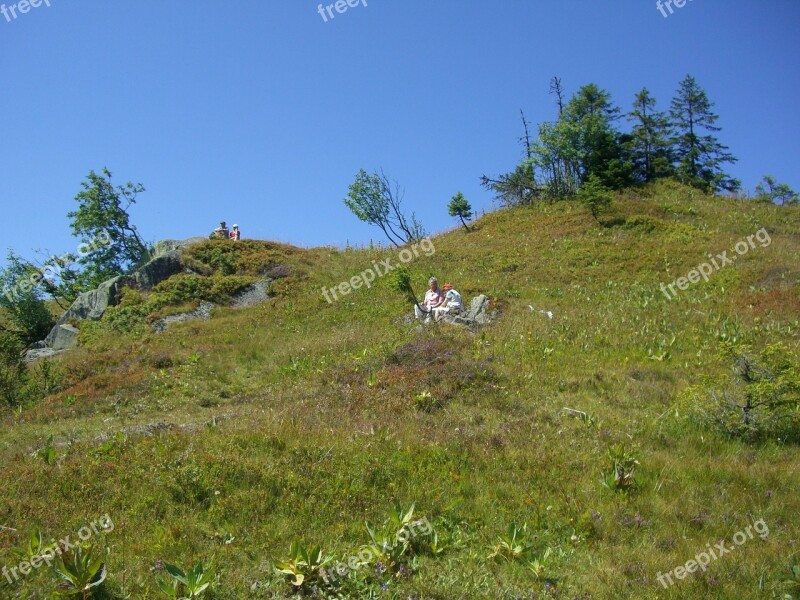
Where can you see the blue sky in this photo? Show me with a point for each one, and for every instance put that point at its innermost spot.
(261, 113)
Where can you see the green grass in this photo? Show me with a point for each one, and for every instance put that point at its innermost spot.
(298, 419)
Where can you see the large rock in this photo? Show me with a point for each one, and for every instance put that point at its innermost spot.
(91, 306)
(477, 314)
(62, 337)
(157, 270)
(166, 246)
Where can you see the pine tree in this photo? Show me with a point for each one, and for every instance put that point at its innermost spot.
(595, 196)
(649, 143)
(700, 157)
(461, 208)
(769, 190)
(585, 141)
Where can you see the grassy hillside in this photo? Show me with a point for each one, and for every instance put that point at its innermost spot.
(299, 419)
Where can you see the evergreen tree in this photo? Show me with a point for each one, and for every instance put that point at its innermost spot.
(700, 156)
(517, 188)
(595, 196)
(769, 190)
(584, 142)
(649, 143)
(461, 208)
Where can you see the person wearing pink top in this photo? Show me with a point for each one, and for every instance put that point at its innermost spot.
(433, 299)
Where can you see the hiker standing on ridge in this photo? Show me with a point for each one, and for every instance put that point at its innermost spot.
(236, 235)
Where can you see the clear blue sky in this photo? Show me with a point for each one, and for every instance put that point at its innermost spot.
(261, 113)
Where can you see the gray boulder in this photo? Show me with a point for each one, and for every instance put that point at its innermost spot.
(167, 246)
(62, 337)
(477, 314)
(155, 271)
(91, 306)
(35, 354)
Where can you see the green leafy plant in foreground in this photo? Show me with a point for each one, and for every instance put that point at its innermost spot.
(425, 402)
(392, 542)
(189, 585)
(81, 570)
(536, 564)
(513, 545)
(304, 566)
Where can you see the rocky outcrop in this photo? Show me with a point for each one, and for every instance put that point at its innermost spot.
(91, 306)
(252, 294)
(62, 337)
(167, 246)
(155, 271)
(247, 297)
(477, 314)
(203, 312)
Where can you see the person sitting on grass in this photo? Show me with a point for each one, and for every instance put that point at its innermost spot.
(452, 304)
(433, 299)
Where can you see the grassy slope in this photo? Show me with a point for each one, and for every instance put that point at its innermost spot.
(296, 419)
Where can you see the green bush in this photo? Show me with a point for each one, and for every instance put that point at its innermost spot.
(183, 289)
(186, 288)
(20, 384)
(13, 371)
(761, 402)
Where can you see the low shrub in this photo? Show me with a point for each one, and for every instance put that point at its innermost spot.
(760, 402)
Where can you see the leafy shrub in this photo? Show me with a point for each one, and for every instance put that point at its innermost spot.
(185, 288)
(761, 402)
(178, 292)
(22, 301)
(595, 196)
(246, 257)
(19, 383)
(14, 379)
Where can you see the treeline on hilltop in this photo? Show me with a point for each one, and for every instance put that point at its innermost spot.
(586, 144)
(584, 154)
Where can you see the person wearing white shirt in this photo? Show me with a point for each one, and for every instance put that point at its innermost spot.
(452, 304)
